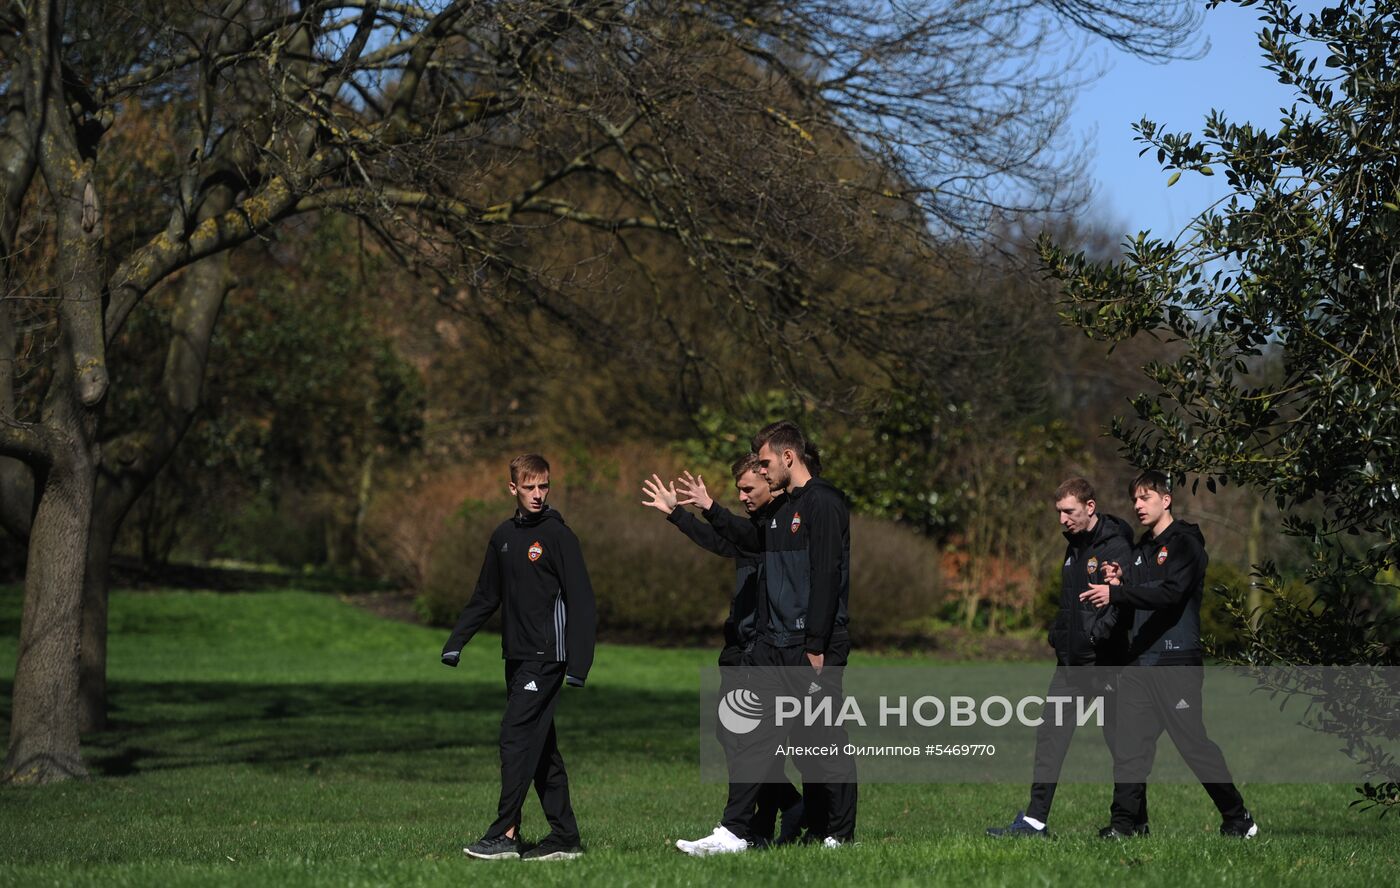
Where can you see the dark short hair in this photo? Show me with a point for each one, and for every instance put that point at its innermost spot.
(746, 463)
(1152, 480)
(528, 465)
(1079, 488)
(783, 435)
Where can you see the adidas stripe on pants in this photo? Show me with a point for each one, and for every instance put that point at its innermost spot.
(530, 751)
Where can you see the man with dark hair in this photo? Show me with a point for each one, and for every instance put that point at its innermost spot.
(534, 572)
(1090, 645)
(1161, 688)
(803, 643)
(753, 808)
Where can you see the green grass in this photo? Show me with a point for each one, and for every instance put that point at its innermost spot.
(282, 737)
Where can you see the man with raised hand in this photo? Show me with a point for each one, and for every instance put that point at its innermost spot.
(1161, 688)
(803, 643)
(1090, 642)
(534, 572)
(753, 808)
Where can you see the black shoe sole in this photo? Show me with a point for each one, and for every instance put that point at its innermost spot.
(1116, 834)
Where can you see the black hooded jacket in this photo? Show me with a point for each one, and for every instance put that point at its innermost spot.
(534, 572)
(739, 629)
(1164, 582)
(1085, 635)
(806, 545)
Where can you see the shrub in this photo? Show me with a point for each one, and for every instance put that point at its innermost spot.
(896, 587)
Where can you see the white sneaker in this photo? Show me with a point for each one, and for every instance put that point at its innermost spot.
(831, 842)
(721, 841)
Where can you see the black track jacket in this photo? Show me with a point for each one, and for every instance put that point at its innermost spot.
(739, 629)
(1084, 635)
(534, 572)
(806, 545)
(1164, 582)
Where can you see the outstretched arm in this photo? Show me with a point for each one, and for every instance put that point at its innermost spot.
(739, 531)
(706, 536)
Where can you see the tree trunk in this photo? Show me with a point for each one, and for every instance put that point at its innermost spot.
(92, 715)
(16, 480)
(44, 712)
(1254, 599)
(362, 497)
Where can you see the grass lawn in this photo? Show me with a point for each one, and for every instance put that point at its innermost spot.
(284, 737)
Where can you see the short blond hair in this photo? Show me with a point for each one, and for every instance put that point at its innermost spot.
(528, 465)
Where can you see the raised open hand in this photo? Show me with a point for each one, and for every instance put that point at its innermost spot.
(662, 498)
(691, 491)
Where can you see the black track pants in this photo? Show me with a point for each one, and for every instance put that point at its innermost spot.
(1052, 740)
(530, 752)
(828, 782)
(1152, 699)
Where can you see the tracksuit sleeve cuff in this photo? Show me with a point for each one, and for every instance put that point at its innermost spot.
(573, 681)
(676, 514)
(450, 658)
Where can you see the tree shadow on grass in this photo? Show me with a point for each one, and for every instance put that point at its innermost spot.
(128, 573)
(397, 729)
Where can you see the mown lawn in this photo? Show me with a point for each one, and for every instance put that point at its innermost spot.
(284, 737)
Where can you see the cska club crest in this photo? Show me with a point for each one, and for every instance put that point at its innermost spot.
(1162, 555)
(536, 550)
(796, 521)
(1093, 565)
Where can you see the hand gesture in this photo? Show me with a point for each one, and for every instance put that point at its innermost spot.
(663, 498)
(1097, 593)
(691, 491)
(1112, 573)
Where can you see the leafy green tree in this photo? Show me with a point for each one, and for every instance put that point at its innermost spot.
(1285, 303)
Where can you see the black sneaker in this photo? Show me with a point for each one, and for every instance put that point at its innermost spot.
(1018, 829)
(1244, 828)
(494, 848)
(1124, 832)
(553, 849)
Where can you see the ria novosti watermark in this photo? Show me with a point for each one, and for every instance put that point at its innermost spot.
(973, 723)
(742, 711)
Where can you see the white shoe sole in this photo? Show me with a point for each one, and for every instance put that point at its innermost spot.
(504, 855)
(696, 849)
(555, 855)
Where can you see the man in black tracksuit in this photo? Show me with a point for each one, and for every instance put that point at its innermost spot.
(534, 572)
(803, 643)
(764, 803)
(1161, 688)
(1091, 644)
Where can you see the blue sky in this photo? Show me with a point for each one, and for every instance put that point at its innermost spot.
(1131, 192)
